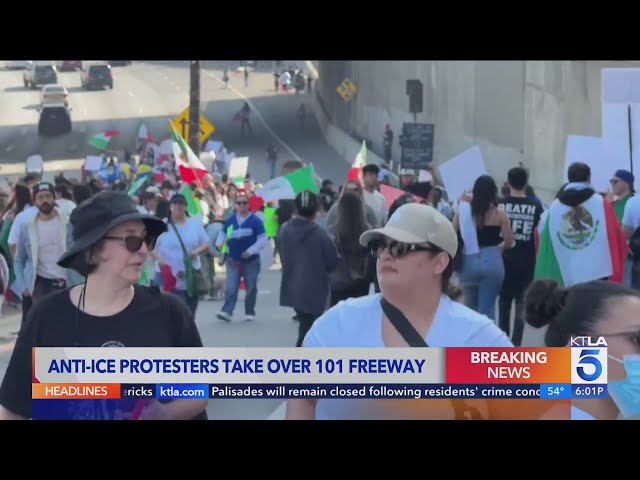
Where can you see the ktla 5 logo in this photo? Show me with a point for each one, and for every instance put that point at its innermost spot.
(588, 360)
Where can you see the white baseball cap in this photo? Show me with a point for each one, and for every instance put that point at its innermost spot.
(417, 223)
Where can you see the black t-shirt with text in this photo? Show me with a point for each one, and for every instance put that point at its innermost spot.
(152, 319)
(524, 214)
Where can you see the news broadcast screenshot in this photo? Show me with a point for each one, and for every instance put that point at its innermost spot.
(259, 253)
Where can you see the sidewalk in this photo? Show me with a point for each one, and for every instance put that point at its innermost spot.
(10, 319)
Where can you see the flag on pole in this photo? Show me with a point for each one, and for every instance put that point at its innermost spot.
(138, 183)
(190, 167)
(193, 204)
(143, 133)
(355, 172)
(101, 140)
(288, 186)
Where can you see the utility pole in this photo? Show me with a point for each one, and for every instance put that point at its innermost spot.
(194, 108)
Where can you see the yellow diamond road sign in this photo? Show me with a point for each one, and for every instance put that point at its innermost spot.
(181, 124)
(347, 89)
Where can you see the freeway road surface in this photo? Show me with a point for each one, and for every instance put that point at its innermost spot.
(155, 92)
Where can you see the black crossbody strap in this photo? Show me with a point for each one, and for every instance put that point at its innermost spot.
(184, 250)
(402, 324)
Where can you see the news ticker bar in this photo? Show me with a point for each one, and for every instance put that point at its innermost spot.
(314, 391)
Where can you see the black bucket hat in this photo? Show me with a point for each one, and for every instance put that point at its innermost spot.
(93, 218)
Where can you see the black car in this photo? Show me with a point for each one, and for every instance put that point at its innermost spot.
(119, 63)
(96, 76)
(55, 119)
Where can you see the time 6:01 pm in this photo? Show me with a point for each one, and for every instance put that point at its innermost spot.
(589, 390)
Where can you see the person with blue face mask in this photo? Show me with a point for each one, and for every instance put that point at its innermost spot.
(595, 309)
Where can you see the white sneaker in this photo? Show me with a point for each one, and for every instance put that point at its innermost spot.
(223, 316)
(249, 318)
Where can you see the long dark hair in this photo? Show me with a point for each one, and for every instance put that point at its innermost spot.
(485, 196)
(350, 225)
(21, 198)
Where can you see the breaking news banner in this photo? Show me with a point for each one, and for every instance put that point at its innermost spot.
(568, 369)
(386, 373)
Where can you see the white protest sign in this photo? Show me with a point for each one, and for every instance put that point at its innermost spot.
(213, 146)
(618, 120)
(589, 150)
(93, 163)
(166, 148)
(620, 85)
(238, 166)
(34, 163)
(460, 173)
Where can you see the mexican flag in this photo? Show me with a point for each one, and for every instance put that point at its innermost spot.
(193, 204)
(581, 244)
(355, 173)
(101, 141)
(138, 184)
(288, 186)
(190, 167)
(143, 133)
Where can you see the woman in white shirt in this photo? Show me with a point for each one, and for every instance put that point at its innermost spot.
(414, 251)
(595, 309)
(169, 251)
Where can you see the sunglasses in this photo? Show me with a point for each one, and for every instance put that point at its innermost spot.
(134, 243)
(242, 202)
(397, 249)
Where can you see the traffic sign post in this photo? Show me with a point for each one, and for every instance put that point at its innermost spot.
(347, 89)
(182, 124)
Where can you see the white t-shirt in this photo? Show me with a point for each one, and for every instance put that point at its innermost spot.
(168, 247)
(357, 323)
(631, 216)
(24, 216)
(376, 201)
(50, 248)
(66, 206)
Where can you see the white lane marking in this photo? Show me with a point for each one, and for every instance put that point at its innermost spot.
(131, 93)
(259, 116)
(9, 148)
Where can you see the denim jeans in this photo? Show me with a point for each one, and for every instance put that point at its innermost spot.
(481, 278)
(249, 271)
(191, 302)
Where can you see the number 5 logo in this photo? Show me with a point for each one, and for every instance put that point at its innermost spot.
(587, 358)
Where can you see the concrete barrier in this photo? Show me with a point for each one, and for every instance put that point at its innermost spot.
(343, 143)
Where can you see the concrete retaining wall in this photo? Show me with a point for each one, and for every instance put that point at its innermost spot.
(514, 110)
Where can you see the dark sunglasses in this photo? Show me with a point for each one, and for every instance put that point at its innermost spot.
(397, 249)
(242, 202)
(134, 243)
